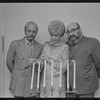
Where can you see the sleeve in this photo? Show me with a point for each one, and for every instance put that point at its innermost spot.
(64, 58)
(41, 48)
(43, 54)
(10, 57)
(96, 56)
(42, 57)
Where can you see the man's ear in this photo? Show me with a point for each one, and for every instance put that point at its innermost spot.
(80, 32)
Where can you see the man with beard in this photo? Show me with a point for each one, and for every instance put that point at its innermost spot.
(85, 51)
(21, 54)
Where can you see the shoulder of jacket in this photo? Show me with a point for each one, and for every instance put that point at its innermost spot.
(93, 40)
(15, 41)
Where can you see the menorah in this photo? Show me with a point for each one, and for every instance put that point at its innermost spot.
(68, 91)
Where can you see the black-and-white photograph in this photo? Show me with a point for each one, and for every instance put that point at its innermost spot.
(50, 50)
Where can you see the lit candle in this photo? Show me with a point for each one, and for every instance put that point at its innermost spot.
(51, 72)
(44, 74)
(74, 75)
(32, 78)
(67, 75)
(60, 73)
(38, 75)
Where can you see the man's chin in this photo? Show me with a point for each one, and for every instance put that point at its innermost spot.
(71, 41)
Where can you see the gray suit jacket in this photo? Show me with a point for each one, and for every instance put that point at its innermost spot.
(87, 57)
(17, 63)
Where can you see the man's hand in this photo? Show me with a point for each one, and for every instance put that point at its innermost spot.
(30, 61)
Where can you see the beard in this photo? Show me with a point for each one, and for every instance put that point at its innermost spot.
(73, 39)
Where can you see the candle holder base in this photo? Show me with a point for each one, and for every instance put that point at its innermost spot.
(44, 91)
(38, 93)
(59, 92)
(71, 91)
(31, 92)
(52, 89)
(71, 94)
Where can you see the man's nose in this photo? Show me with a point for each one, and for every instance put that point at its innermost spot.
(72, 33)
(31, 32)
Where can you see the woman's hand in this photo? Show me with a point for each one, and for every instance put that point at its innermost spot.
(37, 63)
(44, 58)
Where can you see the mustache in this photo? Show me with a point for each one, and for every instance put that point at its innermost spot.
(73, 36)
(76, 37)
(30, 36)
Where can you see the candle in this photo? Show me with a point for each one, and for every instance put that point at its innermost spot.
(44, 74)
(74, 75)
(51, 72)
(32, 78)
(67, 75)
(60, 73)
(38, 79)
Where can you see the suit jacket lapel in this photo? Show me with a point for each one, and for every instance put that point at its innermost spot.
(23, 48)
(35, 49)
(80, 44)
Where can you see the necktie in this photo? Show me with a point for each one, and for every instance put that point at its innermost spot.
(73, 46)
(30, 49)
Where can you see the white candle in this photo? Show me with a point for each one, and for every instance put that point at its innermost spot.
(32, 78)
(67, 75)
(74, 75)
(51, 72)
(60, 73)
(44, 74)
(38, 75)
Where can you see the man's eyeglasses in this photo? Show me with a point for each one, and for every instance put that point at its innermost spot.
(72, 30)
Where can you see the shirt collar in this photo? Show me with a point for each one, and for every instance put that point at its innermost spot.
(27, 42)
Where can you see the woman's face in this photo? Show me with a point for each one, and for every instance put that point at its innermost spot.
(55, 38)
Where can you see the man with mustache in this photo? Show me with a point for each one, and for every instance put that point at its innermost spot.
(21, 54)
(85, 51)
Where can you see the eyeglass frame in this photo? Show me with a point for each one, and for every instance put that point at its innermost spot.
(72, 30)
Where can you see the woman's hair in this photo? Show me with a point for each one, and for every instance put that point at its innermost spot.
(56, 27)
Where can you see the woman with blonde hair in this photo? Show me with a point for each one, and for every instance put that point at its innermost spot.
(54, 50)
